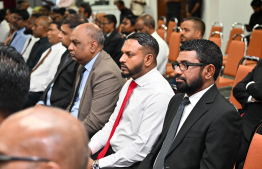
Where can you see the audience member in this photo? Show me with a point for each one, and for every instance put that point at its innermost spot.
(201, 128)
(57, 93)
(128, 143)
(32, 40)
(98, 80)
(99, 18)
(124, 11)
(173, 9)
(112, 37)
(128, 25)
(60, 12)
(86, 10)
(137, 7)
(44, 71)
(50, 3)
(24, 5)
(18, 38)
(192, 28)
(146, 24)
(14, 80)
(69, 11)
(12, 30)
(43, 137)
(248, 94)
(256, 17)
(193, 8)
(44, 10)
(4, 27)
(53, 14)
(40, 29)
(9, 12)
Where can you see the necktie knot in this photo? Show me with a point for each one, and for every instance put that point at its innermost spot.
(132, 85)
(83, 69)
(185, 101)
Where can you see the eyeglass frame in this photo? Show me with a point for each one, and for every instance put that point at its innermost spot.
(104, 23)
(186, 64)
(7, 158)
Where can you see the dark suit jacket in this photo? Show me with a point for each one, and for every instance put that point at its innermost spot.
(252, 110)
(209, 138)
(64, 82)
(111, 46)
(37, 50)
(100, 93)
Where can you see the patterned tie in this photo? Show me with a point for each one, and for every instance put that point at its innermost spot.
(129, 91)
(159, 163)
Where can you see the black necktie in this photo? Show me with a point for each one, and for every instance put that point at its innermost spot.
(9, 43)
(82, 71)
(159, 163)
(27, 45)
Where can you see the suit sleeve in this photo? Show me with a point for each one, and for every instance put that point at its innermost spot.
(105, 95)
(222, 141)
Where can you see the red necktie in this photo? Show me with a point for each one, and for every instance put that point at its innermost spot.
(129, 91)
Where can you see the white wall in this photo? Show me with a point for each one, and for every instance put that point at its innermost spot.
(227, 12)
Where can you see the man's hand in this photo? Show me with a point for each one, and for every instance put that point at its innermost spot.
(254, 100)
(90, 163)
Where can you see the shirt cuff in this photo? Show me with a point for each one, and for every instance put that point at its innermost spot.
(95, 147)
(249, 84)
(249, 99)
(41, 102)
(105, 162)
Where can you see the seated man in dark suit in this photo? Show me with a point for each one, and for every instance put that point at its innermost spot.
(201, 128)
(248, 93)
(112, 37)
(58, 92)
(40, 30)
(14, 80)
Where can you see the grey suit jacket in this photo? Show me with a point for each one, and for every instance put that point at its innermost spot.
(100, 94)
(210, 137)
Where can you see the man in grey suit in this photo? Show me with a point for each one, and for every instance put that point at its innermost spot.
(98, 80)
(205, 133)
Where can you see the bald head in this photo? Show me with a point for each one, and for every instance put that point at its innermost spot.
(145, 24)
(41, 26)
(48, 133)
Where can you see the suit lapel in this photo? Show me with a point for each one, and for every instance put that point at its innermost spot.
(198, 111)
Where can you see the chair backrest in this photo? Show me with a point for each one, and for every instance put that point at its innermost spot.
(234, 30)
(217, 39)
(254, 155)
(216, 26)
(174, 44)
(161, 21)
(161, 31)
(255, 44)
(242, 72)
(171, 25)
(236, 52)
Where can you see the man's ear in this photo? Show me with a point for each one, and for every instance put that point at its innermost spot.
(148, 59)
(209, 71)
(198, 35)
(94, 46)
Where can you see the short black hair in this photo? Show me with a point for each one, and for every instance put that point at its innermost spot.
(23, 13)
(12, 10)
(206, 51)
(2, 14)
(14, 81)
(36, 15)
(111, 18)
(148, 42)
(120, 2)
(199, 23)
(46, 7)
(74, 20)
(58, 24)
(60, 11)
(256, 3)
(87, 8)
(132, 19)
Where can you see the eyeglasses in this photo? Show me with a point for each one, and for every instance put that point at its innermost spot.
(6, 158)
(17, 18)
(184, 65)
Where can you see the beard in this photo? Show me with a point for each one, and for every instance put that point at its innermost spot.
(189, 89)
(28, 32)
(137, 69)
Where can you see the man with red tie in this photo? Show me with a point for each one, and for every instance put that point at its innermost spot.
(137, 120)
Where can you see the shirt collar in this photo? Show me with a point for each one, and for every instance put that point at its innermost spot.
(56, 46)
(153, 33)
(20, 31)
(143, 80)
(89, 65)
(196, 97)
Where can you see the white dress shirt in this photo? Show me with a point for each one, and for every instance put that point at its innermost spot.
(193, 101)
(45, 73)
(141, 122)
(28, 47)
(162, 56)
(4, 29)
